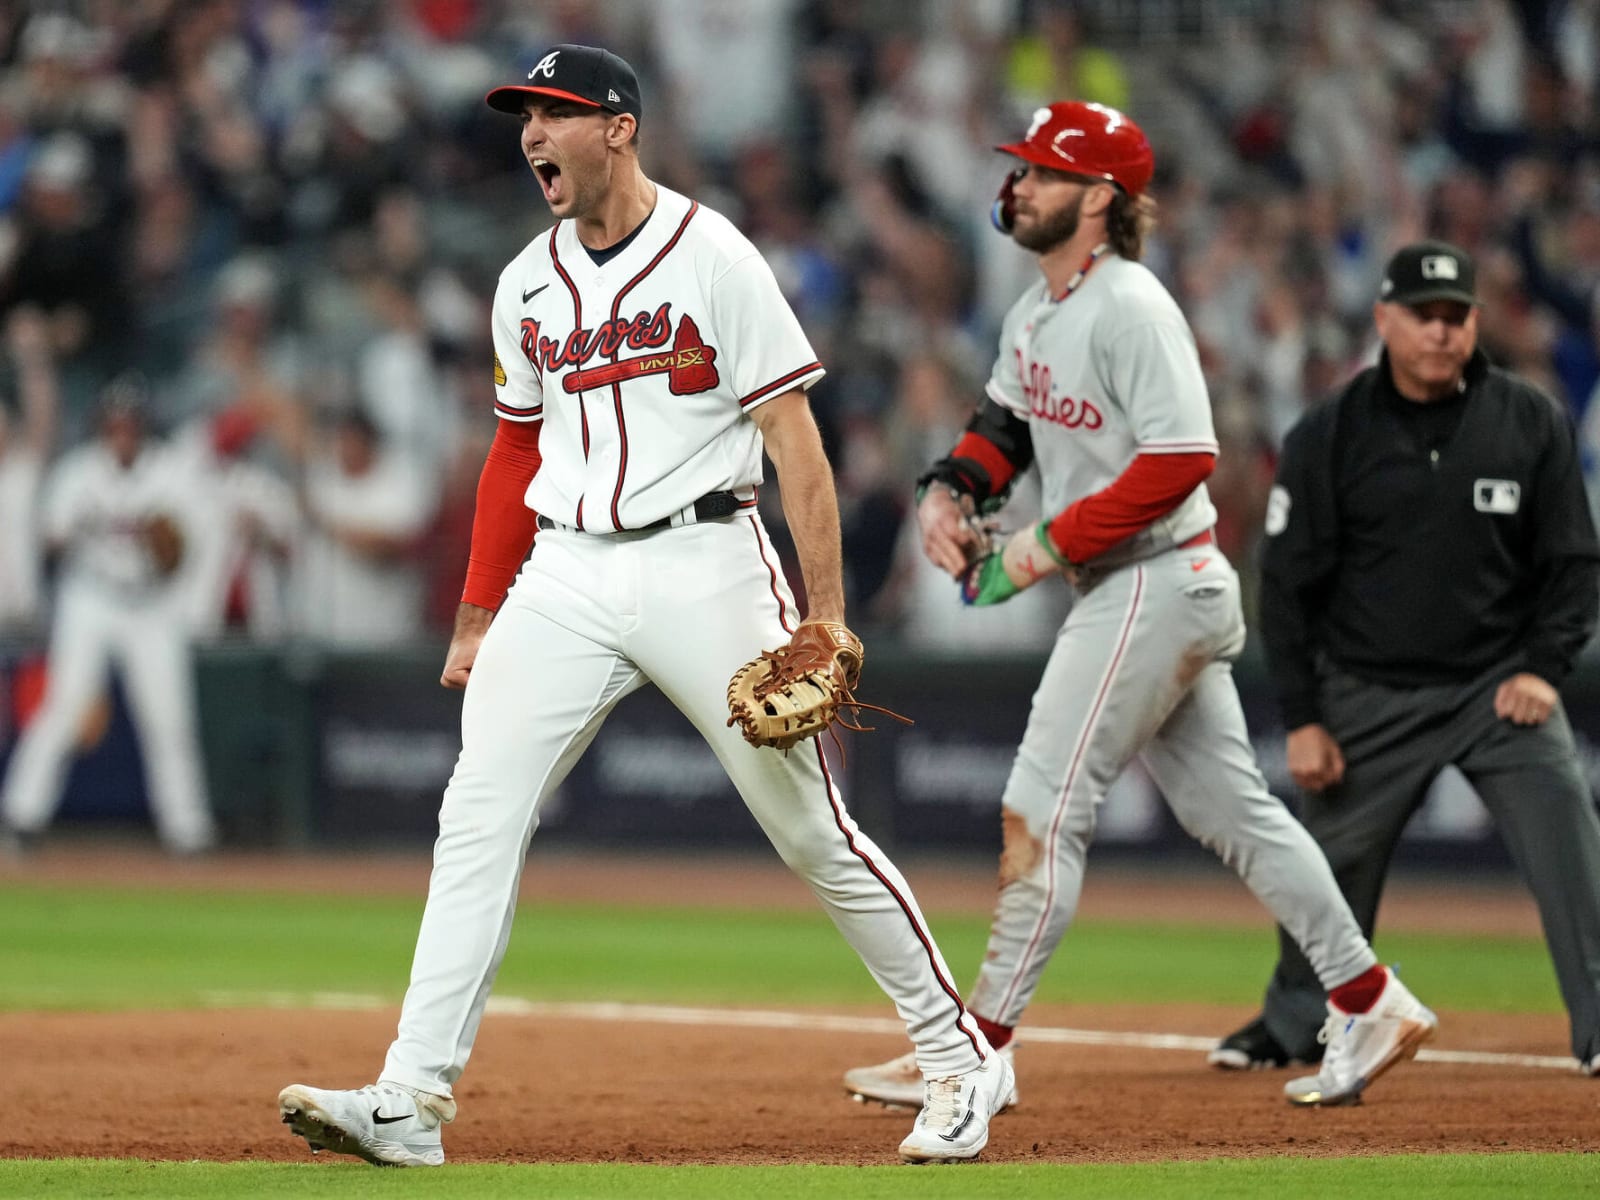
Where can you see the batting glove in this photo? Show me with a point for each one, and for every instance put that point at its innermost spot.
(1027, 557)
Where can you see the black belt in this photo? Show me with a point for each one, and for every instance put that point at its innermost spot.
(713, 506)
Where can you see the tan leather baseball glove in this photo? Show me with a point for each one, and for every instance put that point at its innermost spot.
(796, 691)
(163, 542)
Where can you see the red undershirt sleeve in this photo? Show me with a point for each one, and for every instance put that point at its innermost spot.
(1151, 487)
(503, 527)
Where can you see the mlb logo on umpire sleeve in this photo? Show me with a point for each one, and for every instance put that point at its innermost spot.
(1499, 496)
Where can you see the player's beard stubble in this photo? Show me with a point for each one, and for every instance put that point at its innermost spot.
(1046, 234)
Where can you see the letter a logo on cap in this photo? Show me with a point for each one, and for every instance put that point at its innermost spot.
(546, 66)
(1440, 266)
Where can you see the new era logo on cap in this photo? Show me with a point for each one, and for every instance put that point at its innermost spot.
(585, 75)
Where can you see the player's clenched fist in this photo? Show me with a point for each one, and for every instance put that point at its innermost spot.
(1027, 557)
(472, 622)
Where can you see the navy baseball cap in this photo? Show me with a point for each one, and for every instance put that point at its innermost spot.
(584, 74)
(1425, 271)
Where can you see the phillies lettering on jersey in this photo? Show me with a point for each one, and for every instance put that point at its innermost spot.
(1105, 374)
(1046, 407)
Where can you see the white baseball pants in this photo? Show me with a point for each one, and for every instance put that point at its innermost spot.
(149, 643)
(590, 619)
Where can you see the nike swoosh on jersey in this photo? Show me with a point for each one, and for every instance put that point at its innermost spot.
(526, 296)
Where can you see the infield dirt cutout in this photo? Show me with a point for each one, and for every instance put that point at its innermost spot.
(203, 1085)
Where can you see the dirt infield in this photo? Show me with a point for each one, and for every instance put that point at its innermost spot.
(186, 1085)
(203, 1085)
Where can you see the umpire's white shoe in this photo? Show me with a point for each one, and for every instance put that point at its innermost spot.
(898, 1083)
(384, 1123)
(1362, 1046)
(953, 1125)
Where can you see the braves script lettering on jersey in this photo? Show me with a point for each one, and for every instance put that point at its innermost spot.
(658, 374)
(641, 436)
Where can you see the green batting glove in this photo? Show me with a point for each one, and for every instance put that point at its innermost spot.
(986, 583)
(1019, 564)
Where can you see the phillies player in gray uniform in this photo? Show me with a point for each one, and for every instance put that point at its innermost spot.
(644, 359)
(1099, 383)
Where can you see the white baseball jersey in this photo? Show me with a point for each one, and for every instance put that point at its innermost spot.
(690, 319)
(643, 370)
(1109, 373)
(96, 507)
(113, 608)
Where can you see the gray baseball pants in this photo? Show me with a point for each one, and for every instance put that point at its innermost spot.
(1395, 741)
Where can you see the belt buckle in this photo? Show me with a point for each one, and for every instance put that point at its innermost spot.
(714, 506)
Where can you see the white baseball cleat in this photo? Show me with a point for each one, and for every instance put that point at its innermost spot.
(1362, 1046)
(898, 1082)
(384, 1123)
(953, 1125)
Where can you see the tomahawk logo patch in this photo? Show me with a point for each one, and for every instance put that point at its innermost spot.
(1502, 497)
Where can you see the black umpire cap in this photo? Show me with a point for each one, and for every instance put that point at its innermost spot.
(585, 74)
(1425, 271)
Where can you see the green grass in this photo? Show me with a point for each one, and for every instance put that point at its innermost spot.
(1417, 1177)
(115, 947)
(138, 948)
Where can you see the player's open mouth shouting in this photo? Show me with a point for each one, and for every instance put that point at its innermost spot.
(549, 175)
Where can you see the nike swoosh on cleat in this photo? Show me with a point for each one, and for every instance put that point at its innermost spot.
(526, 296)
(377, 1120)
(965, 1121)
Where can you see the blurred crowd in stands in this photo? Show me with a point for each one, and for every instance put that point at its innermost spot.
(288, 216)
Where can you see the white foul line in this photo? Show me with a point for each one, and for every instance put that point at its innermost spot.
(755, 1018)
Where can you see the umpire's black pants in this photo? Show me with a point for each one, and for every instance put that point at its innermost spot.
(1395, 741)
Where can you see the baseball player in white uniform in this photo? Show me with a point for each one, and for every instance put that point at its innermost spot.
(645, 357)
(1099, 382)
(114, 606)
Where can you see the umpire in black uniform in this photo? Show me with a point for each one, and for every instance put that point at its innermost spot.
(1429, 577)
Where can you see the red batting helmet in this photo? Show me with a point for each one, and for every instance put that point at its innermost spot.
(1088, 139)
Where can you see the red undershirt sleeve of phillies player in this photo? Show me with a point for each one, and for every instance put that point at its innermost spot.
(1151, 487)
(990, 457)
(503, 526)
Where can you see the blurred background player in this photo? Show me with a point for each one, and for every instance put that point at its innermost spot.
(118, 604)
(1099, 384)
(1430, 576)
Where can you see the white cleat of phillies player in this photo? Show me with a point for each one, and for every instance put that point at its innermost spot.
(645, 359)
(1098, 382)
